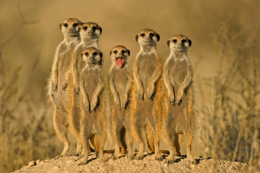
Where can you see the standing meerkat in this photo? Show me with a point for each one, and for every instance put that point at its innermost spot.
(120, 81)
(179, 96)
(89, 34)
(70, 29)
(93, 118)
(147, 91)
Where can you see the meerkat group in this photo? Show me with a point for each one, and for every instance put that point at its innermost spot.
(152, 99)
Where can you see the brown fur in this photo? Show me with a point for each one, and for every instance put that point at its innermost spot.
(179, 97)
(120, 80)
(147, 92)
(93, 118)
(61, 64)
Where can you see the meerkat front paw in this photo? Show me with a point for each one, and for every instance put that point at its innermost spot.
(150, 91)
(93, 103)
(64, 86)
(124, 103)
(117, 104)
(140, 94)
(54, 86)
(171, 99)
(76, 90)
(86, 105)
(179, 96)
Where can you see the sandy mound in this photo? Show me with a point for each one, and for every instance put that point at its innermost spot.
(69, 164)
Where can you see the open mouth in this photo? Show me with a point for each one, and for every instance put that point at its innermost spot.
(119, 62)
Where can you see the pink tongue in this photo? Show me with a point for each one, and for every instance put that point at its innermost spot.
(119, 62)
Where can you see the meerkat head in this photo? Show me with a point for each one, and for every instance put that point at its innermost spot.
(92, 56)
(179, 43)
(70, 27)
(119, 55)
(147, 37)
(90, 30)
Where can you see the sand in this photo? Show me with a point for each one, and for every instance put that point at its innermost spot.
(69, 164)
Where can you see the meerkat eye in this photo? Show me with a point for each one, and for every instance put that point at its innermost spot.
(94, 28)
(142, 34)
(75, 25)
(95, 53)
(65, 25)
(183, 41)
(115, 51)
(123, 51)
(174, 41)
(86, 54)
(151, 35)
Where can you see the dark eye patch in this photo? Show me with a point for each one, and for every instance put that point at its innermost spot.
(183, 41)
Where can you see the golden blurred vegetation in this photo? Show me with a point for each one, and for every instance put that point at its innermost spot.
(225, 56)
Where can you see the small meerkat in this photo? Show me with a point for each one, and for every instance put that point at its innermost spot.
(89, 34)
(147, 91)
(93, 118)
(120, 81)
(62, 60)
(179, 96)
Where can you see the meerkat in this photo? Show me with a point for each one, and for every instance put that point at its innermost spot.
(120, 81)
(70, 30)
(179, 96)
(93, 118)
(89, 34)
(62, 60)
(147, 91)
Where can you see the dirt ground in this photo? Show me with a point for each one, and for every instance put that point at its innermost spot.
(69, 164)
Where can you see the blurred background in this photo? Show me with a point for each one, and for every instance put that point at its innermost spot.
(224, 54)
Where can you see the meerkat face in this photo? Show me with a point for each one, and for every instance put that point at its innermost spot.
(147, 37)
(90, 30)
(179, 43)
(119, 55)
(70, 27)
(92, 56)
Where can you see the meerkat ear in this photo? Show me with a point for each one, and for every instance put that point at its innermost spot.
(136, 38)
(190, 42)
(128, 51)
(168, 42)
(100, 29)
(158, 37)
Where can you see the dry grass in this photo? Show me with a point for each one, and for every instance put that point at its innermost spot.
(229, 125)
